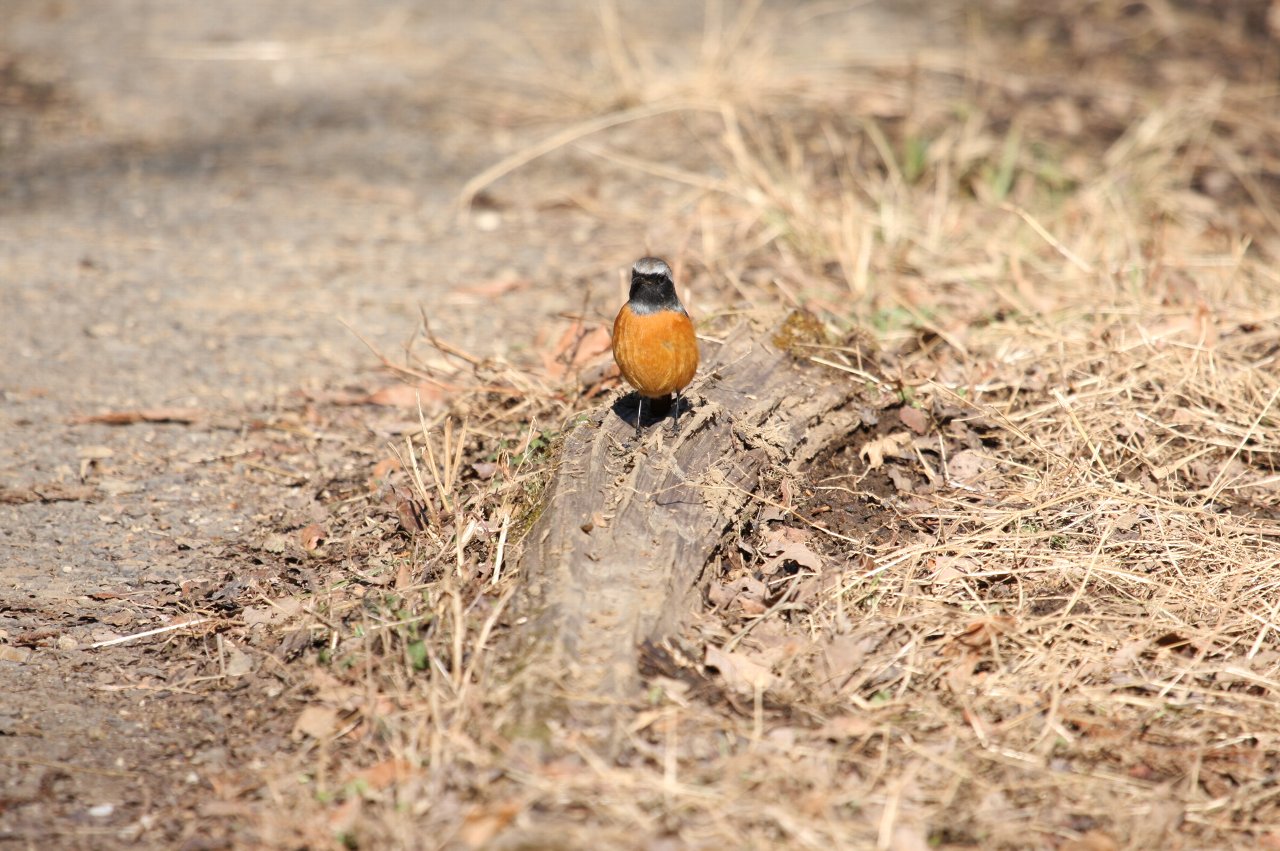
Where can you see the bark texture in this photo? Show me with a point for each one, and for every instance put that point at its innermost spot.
(618, 553)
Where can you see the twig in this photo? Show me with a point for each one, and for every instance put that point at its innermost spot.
(502, 545)
(1215, 488)
(1049, 238)
(505, 166)
(111, 642)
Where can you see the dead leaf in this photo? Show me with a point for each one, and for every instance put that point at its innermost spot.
(385, 468)
(1177, 643)
(119, 487)
(18, 655)
(482, 824)
(312, 537)
(1094, 840)
(412, 513)
(980, 633)
(496, 287)
(951, 569)
(874, 451)
(845, 728)
(343, 816)
(901, 481)
(746, 592)
(52, 492)
(1162, 818)
(740, 672)
(275, 543)
(238, 662)
(404, 395)
(1128, 653)
(144, 415)
(381, 775)
(317, 722)
(845, 653)
(968, 466)
(123, 617)
(577, 347)
(276, 611)
(719, 594)
(910, 837)
(1127, 521)
(793, 551)
(914, 419)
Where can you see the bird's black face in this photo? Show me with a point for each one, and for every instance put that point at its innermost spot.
(651, 287)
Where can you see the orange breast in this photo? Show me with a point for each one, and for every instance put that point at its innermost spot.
(657, 352)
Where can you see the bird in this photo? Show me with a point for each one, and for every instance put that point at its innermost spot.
(653, 340)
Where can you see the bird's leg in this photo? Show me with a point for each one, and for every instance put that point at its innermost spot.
(675, 416)
(639, 413)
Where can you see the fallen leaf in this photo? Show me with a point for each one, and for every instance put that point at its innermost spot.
(719, 594)
(746, 591)
(404, 395)
(874, 451)
(910, 837)
(318, 722)
(382, 774)
(846, 727)
(495, 287)
(914, 419)
(951, 569)
(343, 817)
(1178, 643)
(1127, 521)
(275, 543)
(239, 663)
(312, 537)
(1128, 653)
(577, 347)
(1094, 840)
(18, 655)
(386, 467)
(740, 672)
(144, 415)
(117, 618)
(845, 653)
(119, 487)
(482, 824)
(795, 552)
(52, 492)
(274, 612)
(412, 513)
(901, 481)
(981, 632)
(968, 466)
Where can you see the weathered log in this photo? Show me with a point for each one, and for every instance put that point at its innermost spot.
(626, 529)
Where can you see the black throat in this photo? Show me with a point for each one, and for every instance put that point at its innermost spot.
(653, 294)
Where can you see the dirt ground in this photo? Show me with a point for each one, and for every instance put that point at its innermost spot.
(222, 227)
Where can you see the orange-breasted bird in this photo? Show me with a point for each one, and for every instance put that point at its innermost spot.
(653, 340)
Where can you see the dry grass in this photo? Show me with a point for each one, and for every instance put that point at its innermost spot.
(1064, 238)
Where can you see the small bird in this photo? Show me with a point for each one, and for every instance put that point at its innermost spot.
(653, 340)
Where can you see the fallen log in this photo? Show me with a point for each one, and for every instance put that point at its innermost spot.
(617, 555)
